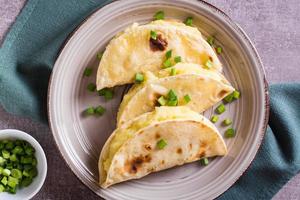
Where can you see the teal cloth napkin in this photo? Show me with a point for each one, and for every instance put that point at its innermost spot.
(28, 55)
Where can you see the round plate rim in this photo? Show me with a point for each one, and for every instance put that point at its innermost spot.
(232, 23)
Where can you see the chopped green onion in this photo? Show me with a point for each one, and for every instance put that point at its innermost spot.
(2, 188)
(169, 54)
(162, 101)
(189, 21)
(9, 145)
(228, 98)
(173, 72)
(26, 181)
(107, 93)
(2, 160)
(220, 109)
(159, 15)
(167, 63)
(29, 150)
(208, 64)
(187, 98)
(204, 161)
(172, 103)
(210, 40)
(12, 182)
(17, 150)
(219, 50)
(153, 35)
(4, 180)
(99, 110)
(89, 111)
(229, 133)
(161, 144)
(1, 145)
(11, 190)
(16, 173)
(236, 94)
(177, 59)
(13, 158)
(214, 118)
(6, 172)
(87, 71)
(172, 95)
(99, 55)
(26, 160)
(5, 154)
(91, 87)
(227, 122)
(139, 78)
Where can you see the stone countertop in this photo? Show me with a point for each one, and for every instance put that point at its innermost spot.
(272, 25)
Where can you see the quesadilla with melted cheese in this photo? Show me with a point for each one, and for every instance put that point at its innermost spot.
(142, 48)
(154, 141)
(194, 86)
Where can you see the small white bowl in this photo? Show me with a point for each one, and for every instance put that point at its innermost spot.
(38, 181)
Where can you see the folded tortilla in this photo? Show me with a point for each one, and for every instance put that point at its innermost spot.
(131, 152)
(133, 51)
(205, 88)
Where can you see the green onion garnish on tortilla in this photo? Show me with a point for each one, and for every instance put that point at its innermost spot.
(172, 102)
(167, 63)
(219, 50)
(139, 78)
(227, 122)
(220, 109)
(187, 98)
(169, 54)
(173, 72)
(204, 161)
(159, 15)
(153, 35)
(88, 71)
(177, 59)
(91, 87)
(189, 21)
(229, 133)
(214, 118)
(172, 95)
(162, 101)
(161, 144)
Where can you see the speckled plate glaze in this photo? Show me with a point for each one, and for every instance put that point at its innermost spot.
(80, 138)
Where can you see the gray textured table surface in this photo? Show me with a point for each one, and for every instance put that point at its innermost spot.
(273, 26)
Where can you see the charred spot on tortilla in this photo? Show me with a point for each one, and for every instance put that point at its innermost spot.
(222, 93)
(147, 147)
(157, 135)
(191, 145)
(158, 44)
(210, 58)
(179, 151)
(141, 132)
(162, 162)
(136, 163)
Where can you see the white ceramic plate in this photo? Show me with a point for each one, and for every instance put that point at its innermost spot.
(80, 139)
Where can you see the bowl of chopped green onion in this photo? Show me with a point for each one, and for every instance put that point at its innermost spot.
(23, 165)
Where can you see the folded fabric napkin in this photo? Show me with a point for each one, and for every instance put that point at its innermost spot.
(28, 55)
